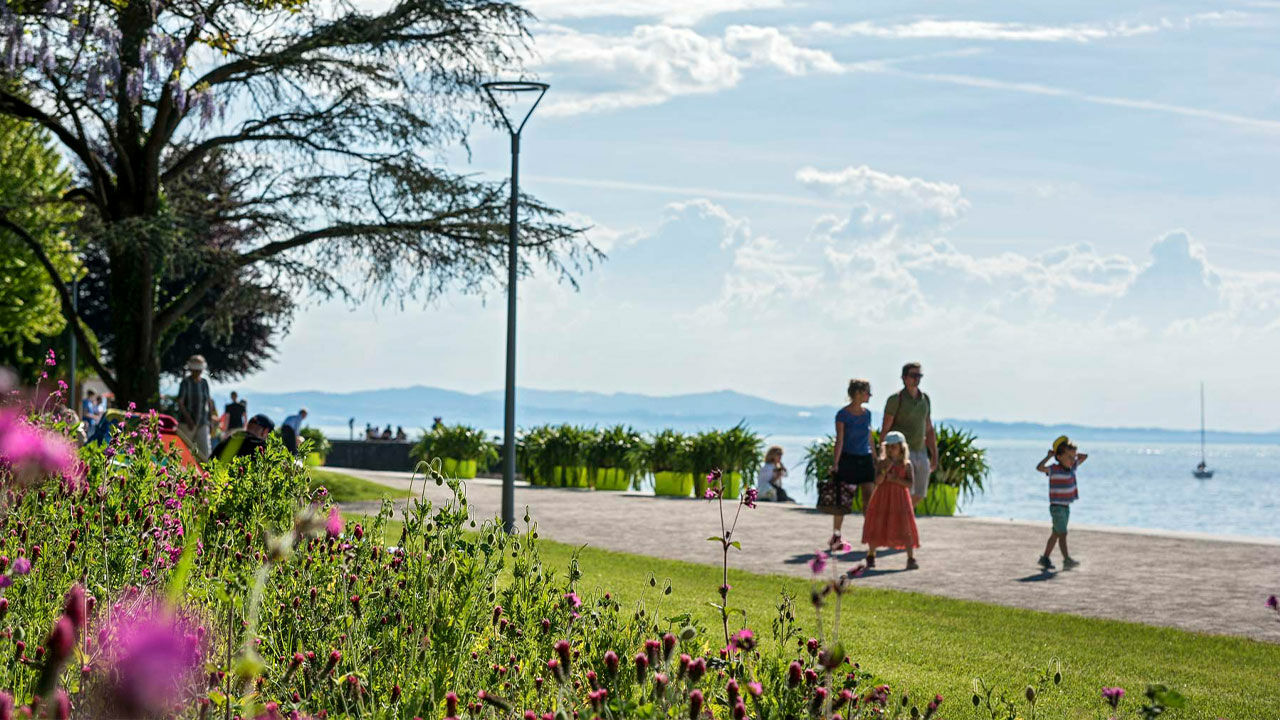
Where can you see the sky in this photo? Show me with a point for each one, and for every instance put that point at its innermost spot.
(1066, 212)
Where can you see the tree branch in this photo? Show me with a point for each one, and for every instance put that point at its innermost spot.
(15, 106)
(64, 294)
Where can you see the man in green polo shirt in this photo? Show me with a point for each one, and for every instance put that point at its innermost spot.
(908, 411)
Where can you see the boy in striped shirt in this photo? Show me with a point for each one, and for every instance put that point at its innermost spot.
(1062, 492)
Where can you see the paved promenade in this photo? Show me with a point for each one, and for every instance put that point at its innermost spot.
(1192, 582)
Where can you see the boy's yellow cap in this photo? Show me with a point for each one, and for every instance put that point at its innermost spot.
(1062, 440)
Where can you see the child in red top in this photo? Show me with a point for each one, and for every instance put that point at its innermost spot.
(891, 516)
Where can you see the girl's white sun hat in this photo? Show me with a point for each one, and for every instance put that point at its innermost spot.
(894, 438)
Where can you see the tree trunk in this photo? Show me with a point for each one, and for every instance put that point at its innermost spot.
(133, 308)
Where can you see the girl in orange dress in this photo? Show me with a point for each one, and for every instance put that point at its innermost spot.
(890, 520)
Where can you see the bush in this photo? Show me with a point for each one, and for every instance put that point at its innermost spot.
(618, 447)
(319, 443)
(669, 451)
(457, 442)
(546, 448)
(960, 461)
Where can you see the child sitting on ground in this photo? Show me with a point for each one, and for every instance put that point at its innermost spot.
(1062, 492)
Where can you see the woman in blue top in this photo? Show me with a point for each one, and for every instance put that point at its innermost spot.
(852, 469)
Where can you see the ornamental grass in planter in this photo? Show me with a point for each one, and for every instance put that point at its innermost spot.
(318, 446)
(460, 448)
(735, 452)
(559, 457)
(615, 457)
(668, 457)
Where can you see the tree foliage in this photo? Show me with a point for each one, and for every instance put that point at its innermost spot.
(31, 169)
(330, 120)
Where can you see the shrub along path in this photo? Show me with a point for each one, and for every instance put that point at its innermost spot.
(1193, 583)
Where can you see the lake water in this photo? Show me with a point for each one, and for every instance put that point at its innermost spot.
(1140, 485)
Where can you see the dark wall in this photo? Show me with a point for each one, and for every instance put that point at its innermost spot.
(370, 455)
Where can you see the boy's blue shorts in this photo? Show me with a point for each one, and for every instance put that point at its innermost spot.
(1060, 514)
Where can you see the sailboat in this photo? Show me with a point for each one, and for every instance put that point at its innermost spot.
(1202, 470)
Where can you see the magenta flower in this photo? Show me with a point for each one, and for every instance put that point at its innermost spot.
(21, 566)
(333, 526)
(32, 452)
(1113, 696)
(710, 494)
(155, 658)
(750, 496)
(1273, 603)
(755, 688)
(818, 563)
(574, 601)
(744, 640)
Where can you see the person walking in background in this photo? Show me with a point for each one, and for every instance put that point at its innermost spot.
(909, 412)
(90, 413)
(890, 519)
(235, 412)
(295, 421)
(195, 407)
(769, 479)
(852, 468)
(1062, 492)
(386, 434)
(400, 434)
(291, 430)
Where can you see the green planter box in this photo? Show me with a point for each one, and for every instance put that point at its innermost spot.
(460, 469)
(570, 477)
(732, 485)
(611, 479)
(940, 500)
(675, 484)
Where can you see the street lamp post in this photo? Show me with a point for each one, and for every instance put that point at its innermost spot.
(520, 89)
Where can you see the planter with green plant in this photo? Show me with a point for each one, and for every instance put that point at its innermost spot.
(460, 449)
(668, 458)
(613, 458)
(318, 447)
(961, 474)
(559, 459)
(529, 449)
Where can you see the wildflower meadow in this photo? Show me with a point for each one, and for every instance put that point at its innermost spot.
(132, 585)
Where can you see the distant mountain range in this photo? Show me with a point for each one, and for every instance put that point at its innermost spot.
(414, 408)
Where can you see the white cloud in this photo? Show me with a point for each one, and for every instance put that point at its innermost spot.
(768, 46)
(930, 28)
(986, 30)
(656, 63)
(886, 205)
(674, 12)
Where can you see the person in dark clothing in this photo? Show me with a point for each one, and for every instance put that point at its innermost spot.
(235, 410)
(243, 443)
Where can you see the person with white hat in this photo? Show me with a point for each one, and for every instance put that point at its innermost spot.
(196, 409)
(890, 520)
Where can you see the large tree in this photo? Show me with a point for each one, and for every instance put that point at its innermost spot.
(335, 120)
(31, 169)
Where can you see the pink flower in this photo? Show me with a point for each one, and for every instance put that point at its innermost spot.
(710, 493)
(21, 566)
(573, 599)
(333, 526)
(1113, 696)
(1273, 603)
(749, 498)
(51, 358)
(743, 640)
(155, 658)
(818, 563)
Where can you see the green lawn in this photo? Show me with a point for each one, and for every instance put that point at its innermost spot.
(932, 644)
(347, 489)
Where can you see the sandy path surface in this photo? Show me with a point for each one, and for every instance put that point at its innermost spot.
(1194, 582)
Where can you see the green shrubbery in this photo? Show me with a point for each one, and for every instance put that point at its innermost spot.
(545, 448)
(455, 446)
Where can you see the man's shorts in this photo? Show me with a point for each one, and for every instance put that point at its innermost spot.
(1060, 514)
(920, 470)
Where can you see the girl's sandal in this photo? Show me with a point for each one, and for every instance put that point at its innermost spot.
(912, 564)
(871, 562)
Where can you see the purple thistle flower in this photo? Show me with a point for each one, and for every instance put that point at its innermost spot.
(154, 658)
(818, 563)
(1113, 695)
(574, 601)
(21, 566)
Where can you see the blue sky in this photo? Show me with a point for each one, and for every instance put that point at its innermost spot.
(1066, 212)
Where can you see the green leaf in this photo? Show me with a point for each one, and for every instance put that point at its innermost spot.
(715, 538)
(736, 544)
